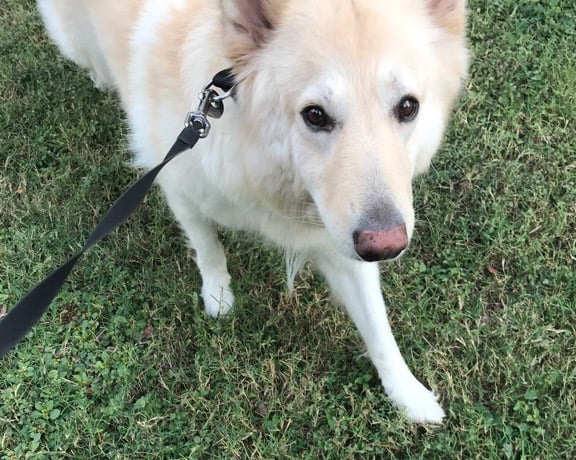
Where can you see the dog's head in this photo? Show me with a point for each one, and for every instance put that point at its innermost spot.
(352, 98)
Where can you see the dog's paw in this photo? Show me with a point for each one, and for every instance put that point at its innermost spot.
(418, 403)
(425, 410)
(218, 300)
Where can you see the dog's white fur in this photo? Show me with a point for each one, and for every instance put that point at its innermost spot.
(263, 169)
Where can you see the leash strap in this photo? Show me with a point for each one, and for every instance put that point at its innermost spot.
(26, 313)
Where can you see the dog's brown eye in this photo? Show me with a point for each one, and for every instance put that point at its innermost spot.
(317, 119)
(407, 109)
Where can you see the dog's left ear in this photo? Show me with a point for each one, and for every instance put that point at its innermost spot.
(248, 24)
(450, 15)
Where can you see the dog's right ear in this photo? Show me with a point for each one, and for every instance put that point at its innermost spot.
(449, 14)
(248, 24)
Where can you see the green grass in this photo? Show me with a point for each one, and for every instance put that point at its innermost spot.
(125, 365)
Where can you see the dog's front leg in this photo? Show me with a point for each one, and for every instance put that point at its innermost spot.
(208, 252)
(357, 286)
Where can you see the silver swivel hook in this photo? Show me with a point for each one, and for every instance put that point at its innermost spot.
(210, 105)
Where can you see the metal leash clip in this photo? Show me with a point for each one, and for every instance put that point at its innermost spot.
(210, 106)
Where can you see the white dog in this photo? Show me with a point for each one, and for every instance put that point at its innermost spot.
(338, 105)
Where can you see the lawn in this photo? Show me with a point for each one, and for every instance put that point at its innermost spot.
(126, 366)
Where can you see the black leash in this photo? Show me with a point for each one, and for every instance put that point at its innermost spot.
(26, 313)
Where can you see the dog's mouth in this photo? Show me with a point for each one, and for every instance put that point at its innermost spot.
(304, 212)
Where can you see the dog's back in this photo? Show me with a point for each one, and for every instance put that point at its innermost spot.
(93, 34)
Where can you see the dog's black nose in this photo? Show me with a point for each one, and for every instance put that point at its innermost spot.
(374, 245)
